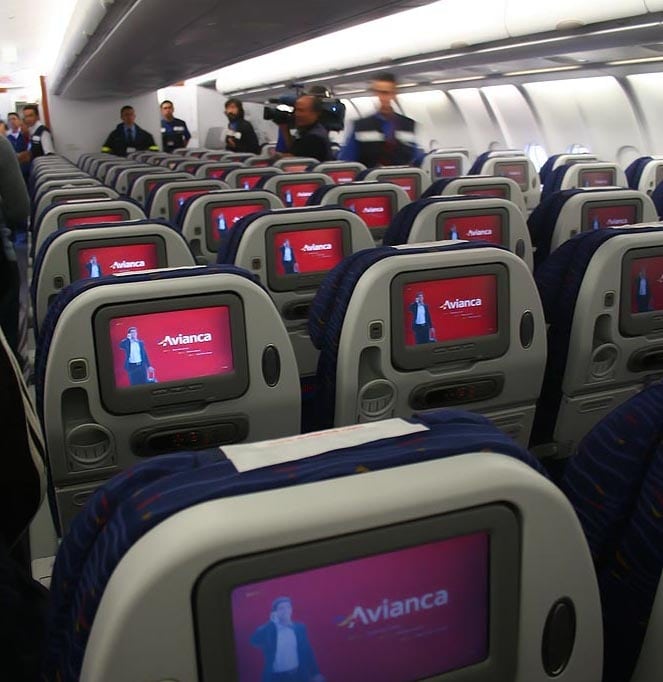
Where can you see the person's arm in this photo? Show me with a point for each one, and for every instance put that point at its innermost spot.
(259, 637)
(308, 655)
(350, 150)
(47, 142)
(146, 360)
(187, 134)
(250, 139)
(107, 147)
(285, 138)
(152, 146)
(13, 192)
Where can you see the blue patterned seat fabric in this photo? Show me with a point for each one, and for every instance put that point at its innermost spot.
(635, 169)
(657, 198)
(478, 163)
(327, 313)
(615, 483)
(129, 505)
(547, 168)
(558, 281)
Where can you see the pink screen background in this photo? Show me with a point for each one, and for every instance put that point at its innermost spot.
(75, 221)
(412, 646)
(454, 323)
(469, 227)
(653, 271)
(300, 192)
(309, 261)
(374, 211)
(610, 216)
(113, 259)
(177, 362)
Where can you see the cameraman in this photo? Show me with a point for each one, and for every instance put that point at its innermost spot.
(311, 138)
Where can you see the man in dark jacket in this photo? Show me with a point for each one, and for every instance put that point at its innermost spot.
(128, 137)
(240, 136)
(385, 138)
(285, 647)
(311, 138)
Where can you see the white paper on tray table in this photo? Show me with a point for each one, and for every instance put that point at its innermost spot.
(249, 456)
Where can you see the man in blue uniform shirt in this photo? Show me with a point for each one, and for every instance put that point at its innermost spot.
(174, 132)
(385, 138)
(41, 140)
(128, 137)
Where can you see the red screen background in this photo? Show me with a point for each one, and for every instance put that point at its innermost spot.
(516, 171)
(309, 261)
(183, 195)
(495, 191)
(446, 168)
(75, 221)
(250, 180)
(177, 362)
(341, 177)
(412, 646)
(408, 184)
(374, 211)
(111, 258)
(468, 227)
(598, 178)
(611, 216)
(454, 323)
(653, 271)
(301, 191)
(231, 215)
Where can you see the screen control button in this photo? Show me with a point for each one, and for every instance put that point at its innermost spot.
(78, 370)
(271, 365)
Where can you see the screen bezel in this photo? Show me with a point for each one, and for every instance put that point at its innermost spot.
(213, 244)
(91, 213)
(524, 185)
(658, 175)
(608, 169)
(610, 203)
(64, 198)
(341, 168)
(475, 348)
(306, 281)
(211, 596)
(376, 232)
(637, 324)
(444, 159)
(137, 399)
(475, 189)
(500, 211)
(252, 172)
(77, 247)
(416, 181)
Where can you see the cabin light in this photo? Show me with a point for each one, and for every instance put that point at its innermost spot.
(458, 80)
(642, 60)
(407, 85)
(350, 92)
(619, 29)
(549, 69)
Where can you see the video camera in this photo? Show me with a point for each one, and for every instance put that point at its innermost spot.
(282, 109)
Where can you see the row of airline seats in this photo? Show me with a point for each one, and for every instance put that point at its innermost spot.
(174, 522)
(186, 523)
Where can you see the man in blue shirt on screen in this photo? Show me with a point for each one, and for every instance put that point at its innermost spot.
(385, 138)
(285, 647)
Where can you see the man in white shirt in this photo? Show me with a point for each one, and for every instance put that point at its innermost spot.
(288, 258)
(285, 646)
(93, 267)
(136, 362)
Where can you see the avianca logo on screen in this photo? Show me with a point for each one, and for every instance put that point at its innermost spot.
(373, 209)
(317, 247)
(390, 610)
(124, 264)
(461, 303)
(616, 221)
(479, 233)
(181, 339)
